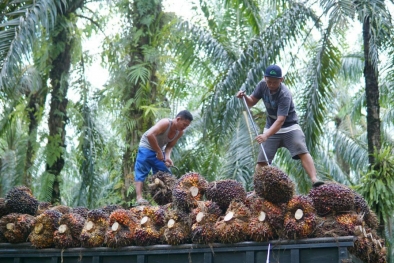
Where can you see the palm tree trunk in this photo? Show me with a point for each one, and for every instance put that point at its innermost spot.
(135, 113)
(372, 95)
(34, 110)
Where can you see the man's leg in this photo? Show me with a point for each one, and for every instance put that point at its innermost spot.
(309, 166)
(138, 190)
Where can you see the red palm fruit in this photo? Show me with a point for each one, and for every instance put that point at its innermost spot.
(44, 228)
(16, 227)
(122, 225)
(69, 232)
(300, 218)
(93, 232)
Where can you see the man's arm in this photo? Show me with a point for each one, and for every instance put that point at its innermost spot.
(169, 147)
(159, 128)
(250, 100)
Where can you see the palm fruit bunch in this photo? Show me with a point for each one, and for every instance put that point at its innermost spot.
(44, 229)
(3, 209)
(110, 208)
(16, 227)
(222, 192)
(62, 209)
(203, 218)
(332, 198)
(177, 228)
(93, 232)
(188, 189)
(42, 207)
(69, 232)
(122, 224)
(149, 228)
(83, 211)
(259, 229)
(232, 227)
(361, 207)
(160, 187)
(369, 248)
(20, 200)
(274, 214)
(300, 217)
(273, 185)
(3, 239)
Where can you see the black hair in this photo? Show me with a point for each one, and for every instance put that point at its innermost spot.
(185, 114)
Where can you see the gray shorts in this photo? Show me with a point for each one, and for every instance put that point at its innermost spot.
(294, 141)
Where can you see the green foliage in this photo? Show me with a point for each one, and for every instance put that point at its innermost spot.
(53, 150)
(377, 184)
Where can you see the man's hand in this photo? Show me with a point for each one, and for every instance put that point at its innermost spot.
(160, 156)
(169, 163)
(261, 138)
(240, 94)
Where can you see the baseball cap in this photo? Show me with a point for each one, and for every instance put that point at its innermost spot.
(273, 71)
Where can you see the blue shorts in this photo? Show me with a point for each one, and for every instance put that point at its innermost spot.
(145, 162)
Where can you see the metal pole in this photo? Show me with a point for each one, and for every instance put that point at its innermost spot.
(254, 128)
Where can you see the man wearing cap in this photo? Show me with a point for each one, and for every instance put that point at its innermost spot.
(281, 129)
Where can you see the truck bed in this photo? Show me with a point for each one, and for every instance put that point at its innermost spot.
(312, 250)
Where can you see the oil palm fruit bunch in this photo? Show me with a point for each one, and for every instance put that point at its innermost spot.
(83, 211)
(273, 185)
(110, 208)
(260, 229)
(62, 209)
(300, 217)
(204, 217)
(188, 189)
(42, 207)
(16, 227)
(369, 248)
(177, 228)
(44, 228)
(273, 213)
(69, 232)
(3, 209)
(332, 198)
(20, 200)
(348, 222)
(232, 227)
(149, 228)
(160, 187)
(3, 239)
(222, 192)
(122, 224)
(361, 207)
(93, 232)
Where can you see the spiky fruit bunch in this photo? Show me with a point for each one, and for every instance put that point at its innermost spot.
(273, 185)
(300, 218)
(149, 229)
(20, 200)
(361, 207)
(177, 227)
(110, 208)
(205, 212)
(69, 232)
(16, 227)
(348, 222)
(122, 224)
(222, 192)
(62, 209)
(160, 187)
(203, 218)
(332, 198)
(369, 248)
(83, 211)
(3, 209)
(189, 189)
(259, 229)
(42, 207)
(44, 228)
(93, 232)
(274, 214)
(3, 239)
(232, 227)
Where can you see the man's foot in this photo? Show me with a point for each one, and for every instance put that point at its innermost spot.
(317, 184)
